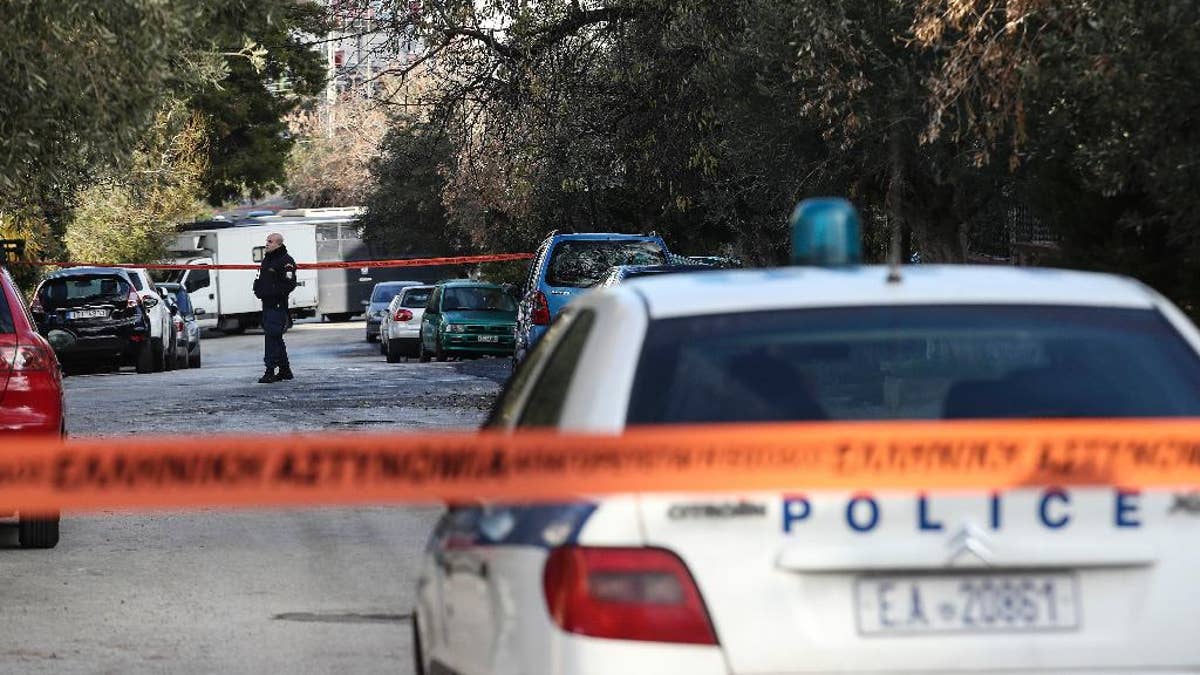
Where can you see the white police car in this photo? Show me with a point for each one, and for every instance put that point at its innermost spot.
(1029, 580)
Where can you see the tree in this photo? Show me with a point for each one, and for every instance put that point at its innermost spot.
(129, 216)
(1093, 105)
(270, 67)
(405, 214)
(332, 167)
(82, 82)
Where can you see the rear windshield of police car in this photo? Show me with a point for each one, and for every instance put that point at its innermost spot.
(75, 291)
(914, 363)
(583, 263)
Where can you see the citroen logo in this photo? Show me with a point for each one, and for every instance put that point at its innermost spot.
(970, 540)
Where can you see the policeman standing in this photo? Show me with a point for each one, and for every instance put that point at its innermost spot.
(276, 280)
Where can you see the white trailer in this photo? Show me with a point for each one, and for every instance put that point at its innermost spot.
(225, 299)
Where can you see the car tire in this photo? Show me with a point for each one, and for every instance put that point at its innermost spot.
(422, 355)
(372, 338)
(417, 650)
(194, 359)
(439, 352)
(144, 363)
(37, 532)
(159, 356)
(171, 357)
(392, 352)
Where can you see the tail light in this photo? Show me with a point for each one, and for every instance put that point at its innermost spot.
(133, 301)
(402, 315)
(32, 397)
(644, 594)
(25, 358)
(541, 310)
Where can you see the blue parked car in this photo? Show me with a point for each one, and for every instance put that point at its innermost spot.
(565, 266)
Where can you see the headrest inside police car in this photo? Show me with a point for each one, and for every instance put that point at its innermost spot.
(826, 231)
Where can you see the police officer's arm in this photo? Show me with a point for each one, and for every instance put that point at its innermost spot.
(289, 276)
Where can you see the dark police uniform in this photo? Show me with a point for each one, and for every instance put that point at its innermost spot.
(276, 280)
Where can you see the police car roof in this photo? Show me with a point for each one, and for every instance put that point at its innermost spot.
(671, 295)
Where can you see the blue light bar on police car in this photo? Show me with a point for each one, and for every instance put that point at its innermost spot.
(826, 231)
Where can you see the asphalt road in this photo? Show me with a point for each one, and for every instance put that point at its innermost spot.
(305, 591)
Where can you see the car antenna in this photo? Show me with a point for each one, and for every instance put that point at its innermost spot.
(894, 257)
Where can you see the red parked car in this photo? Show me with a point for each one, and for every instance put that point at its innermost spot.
(31, 397)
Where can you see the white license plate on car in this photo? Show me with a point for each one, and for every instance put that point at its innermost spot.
(489, 338)
(966, 603)
(87, 314)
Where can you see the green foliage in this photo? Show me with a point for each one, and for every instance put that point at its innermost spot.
(129, 217)
(81, 81)
(405, 214)
(265, 48)
(707, 121)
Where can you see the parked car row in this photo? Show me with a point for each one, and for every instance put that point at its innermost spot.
(104, 318)
(466, 318)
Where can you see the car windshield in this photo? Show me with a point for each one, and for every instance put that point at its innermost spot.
(384, 294)
(581, 264)
(82, 289)
(876, 363)
(416, 299)
(481, 298)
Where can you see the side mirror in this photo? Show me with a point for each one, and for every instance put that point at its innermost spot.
(366, 303)
(199, 311)
(150, 302)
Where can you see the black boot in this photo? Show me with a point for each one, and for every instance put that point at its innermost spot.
(285, 372)
(268, 377)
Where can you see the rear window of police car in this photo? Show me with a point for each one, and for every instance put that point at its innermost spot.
(916, 362)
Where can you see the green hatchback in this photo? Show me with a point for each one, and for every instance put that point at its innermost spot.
(467, 318)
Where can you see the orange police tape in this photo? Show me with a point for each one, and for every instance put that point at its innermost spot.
(352, 264)
(329, 469)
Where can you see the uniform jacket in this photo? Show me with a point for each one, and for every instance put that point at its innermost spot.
(276, 279)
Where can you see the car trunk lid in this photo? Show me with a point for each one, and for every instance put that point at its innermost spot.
(1031, 579)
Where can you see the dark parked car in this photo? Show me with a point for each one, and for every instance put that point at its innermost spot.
(31, 399)
(94, 316)
(187, 326)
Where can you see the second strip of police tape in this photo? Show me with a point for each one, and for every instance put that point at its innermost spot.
(327, 469)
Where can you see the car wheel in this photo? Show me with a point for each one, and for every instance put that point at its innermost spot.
(37, 532)
(422, 355)
(145, 359)
(418, 652)
(170, 360)
(392, 352)
(439, 351)
(194, 359)
(372, 338)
